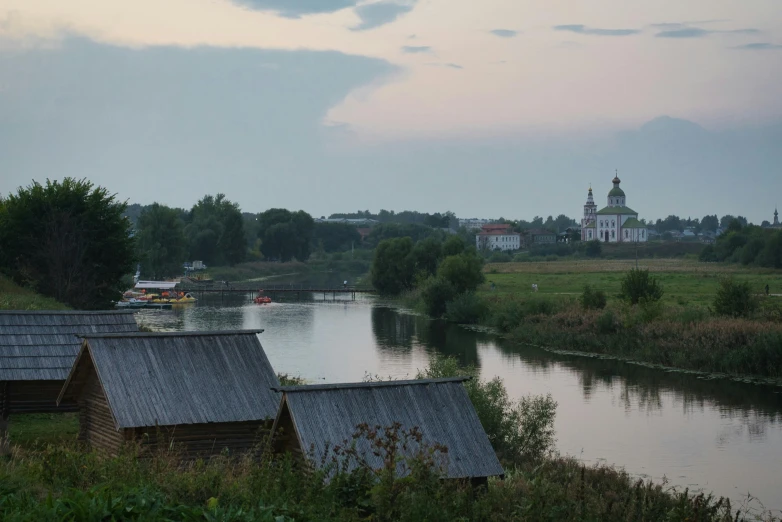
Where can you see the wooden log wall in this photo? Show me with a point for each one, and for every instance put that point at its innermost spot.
(33, 397)
(192, 441)
(96, 424)
(285, 439)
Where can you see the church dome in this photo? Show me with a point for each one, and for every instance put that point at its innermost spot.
(616, 191)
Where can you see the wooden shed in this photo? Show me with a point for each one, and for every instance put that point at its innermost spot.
(311, 419)
(204, 392)
(37, 350)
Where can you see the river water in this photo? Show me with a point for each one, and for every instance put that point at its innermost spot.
(718, 436)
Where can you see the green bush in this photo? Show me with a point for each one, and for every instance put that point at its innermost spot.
(464, 271)
(639, 285)
(465, 308)
(500, 257)
(593, 248)
(435, 294)
(734, 299)
(592, 299)
(522, 432)
(607, 323)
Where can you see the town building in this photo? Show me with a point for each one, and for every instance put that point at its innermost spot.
(498, 237)
(37, 350)
(540, 236)
(202, 393)
(615, 223)
(312, 420)
(775, 223)
(473, 223)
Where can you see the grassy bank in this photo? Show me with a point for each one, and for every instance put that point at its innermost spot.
(51, 477)
(686, 282)
(14, 297)
(262, 270)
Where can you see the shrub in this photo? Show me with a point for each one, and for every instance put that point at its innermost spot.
(606, 323)
(436, 292)
(734, 299)
(522, 432)
(593, 248)
(639, 285)
(466, 308)
(500, 257)
(592, 299)
(464, 271)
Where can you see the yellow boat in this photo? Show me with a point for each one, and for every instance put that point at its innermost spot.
(185, 299)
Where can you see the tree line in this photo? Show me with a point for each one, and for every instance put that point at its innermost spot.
(748, 245)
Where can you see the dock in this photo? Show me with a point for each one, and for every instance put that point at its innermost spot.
(254, 289)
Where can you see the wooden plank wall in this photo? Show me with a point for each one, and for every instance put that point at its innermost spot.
(192, 441)
(33, 397)
(96, 424)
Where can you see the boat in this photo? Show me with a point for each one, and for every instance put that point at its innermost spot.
(168, 294)
(262, 299)
(179, 299)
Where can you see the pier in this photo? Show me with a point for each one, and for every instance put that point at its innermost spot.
(227, 288)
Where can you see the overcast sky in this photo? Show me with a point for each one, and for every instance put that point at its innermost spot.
(495, 108)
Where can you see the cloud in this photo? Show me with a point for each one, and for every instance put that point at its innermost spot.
(297, 8)
(380, 13)
(582, 29)
(412, 49)
(504, 33)
(684, 31)
(759, 46)
(450, 65)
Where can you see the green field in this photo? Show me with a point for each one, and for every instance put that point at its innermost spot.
(686, 282)
(14, 297)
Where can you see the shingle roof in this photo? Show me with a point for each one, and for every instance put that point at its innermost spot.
(169, 379)
(42, 345)
(633, 223)
(440, 408)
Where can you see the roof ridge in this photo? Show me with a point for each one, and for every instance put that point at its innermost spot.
(196, 333)
(368, 384)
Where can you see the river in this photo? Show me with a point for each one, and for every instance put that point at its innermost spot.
(718, 436)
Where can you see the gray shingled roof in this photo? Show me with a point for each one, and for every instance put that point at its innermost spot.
(169, 379)
(440, 408)
(42, 345)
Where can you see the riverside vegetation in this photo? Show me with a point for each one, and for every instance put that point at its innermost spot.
(673, 313)
(55, 479)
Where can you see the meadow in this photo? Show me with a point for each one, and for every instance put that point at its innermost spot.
(686, 282)
(14, 297)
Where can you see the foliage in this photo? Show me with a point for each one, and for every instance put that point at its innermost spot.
(285, 235)
(161, 242)
(508, 314)
(464, 271)
(593, 248)
(393, 267)
(67, 240)
(14, 297)
(638, 285)
(734, 299)
(395, 230)
(500, 257)
(593, 299)
(453, 246)
(335, 237)
(426, 255)
(466, 308)
(522, 432)
(215, 231)
(435, 293)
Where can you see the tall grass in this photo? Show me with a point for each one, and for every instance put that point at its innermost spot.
(15, 297)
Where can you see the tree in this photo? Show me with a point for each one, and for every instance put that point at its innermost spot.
(426, 255)
(639, 286)
(734, 299)
(285, 235)
(160, 241)
(463, 271)
(68, 241)
(215, 231)
(593, 248)
(710, 223)
(335, 237)
(454, 245)
(393, 267)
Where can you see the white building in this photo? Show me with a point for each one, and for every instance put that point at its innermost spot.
(498, 237)
(616, 223)
(473, 223)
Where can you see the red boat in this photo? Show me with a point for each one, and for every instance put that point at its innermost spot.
(262, 299)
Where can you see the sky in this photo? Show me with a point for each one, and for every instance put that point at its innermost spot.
(505, 108)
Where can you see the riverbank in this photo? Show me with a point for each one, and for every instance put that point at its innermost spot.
(679, 331)
(15, 297)
(263, 270)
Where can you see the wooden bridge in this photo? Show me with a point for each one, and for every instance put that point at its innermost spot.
(255, 289)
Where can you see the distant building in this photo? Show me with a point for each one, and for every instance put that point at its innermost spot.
(473, 223)
(775, 223)
(539, 236)
(498, 237)
(362, 222)
(615, 223)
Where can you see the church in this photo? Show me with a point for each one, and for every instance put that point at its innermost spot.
(616, 223)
